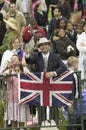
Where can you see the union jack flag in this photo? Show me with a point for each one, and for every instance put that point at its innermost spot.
(36, 89)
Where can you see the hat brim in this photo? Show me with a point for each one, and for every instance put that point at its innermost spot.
(43, 43)
(11, 25)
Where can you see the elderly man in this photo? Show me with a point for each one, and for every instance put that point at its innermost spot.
(53, 67)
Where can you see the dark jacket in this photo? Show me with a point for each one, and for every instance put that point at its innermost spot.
(53, 26)
(54, 63)
(41, 19)
(61, 48)
(65, 9)
(2, 31)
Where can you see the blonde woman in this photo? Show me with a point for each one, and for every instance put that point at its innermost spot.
(13, 48)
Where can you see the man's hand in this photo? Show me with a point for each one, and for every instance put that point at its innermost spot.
(50, 74)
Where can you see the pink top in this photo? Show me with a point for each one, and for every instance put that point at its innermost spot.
(12, 89)
(33, 6)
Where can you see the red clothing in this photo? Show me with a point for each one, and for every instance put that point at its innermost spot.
(28, 33)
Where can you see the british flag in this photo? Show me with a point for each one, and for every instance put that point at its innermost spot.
(36, 89)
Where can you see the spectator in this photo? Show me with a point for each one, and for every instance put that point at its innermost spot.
(61, 24)
(34, 2)
(54, 22)
(54, 67)
(4, 7)
(14, 47)
(64, 46)
(71, 32)
(65, 8)
(12, 29)
(81, 46)
(75, 18)
(40, 16)
(32, 68)
(18, 16)
(2, 32)
(51, 4)
(16, 112)
(29, 32)
(2, 28)
(79, 28)
(72, 63)
(24, 6)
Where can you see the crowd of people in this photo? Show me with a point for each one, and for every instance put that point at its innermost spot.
(33, 29)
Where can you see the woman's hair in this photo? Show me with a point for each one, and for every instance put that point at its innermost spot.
(33, 21)
(37, 6)
(37, 36)
(10, 47)
(19, 68)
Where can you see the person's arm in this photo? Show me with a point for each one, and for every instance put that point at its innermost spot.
(61, 66)
(81, 46)
(6, 41)
(28, 59)
(59, 70)
(51, 74)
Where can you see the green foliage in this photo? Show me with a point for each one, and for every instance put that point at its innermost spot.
(62, 121)
(2, 122)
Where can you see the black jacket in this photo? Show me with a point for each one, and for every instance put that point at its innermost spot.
(54, 63)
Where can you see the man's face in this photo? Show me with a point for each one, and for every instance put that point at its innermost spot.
(45, 48)
(12, 7)
(56, 12)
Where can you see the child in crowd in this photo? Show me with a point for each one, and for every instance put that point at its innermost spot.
(72, 63)
(17, 113)
(71, 32)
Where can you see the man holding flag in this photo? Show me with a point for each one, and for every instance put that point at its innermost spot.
(50, 63)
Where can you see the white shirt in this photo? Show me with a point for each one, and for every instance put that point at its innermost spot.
(47, 55)
(81, 39)
(24, 6)
(82, 52)
(5, 59)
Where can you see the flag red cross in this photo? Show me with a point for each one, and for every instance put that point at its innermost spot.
(46, 86)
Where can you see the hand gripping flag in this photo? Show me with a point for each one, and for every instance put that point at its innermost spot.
(36, 89)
